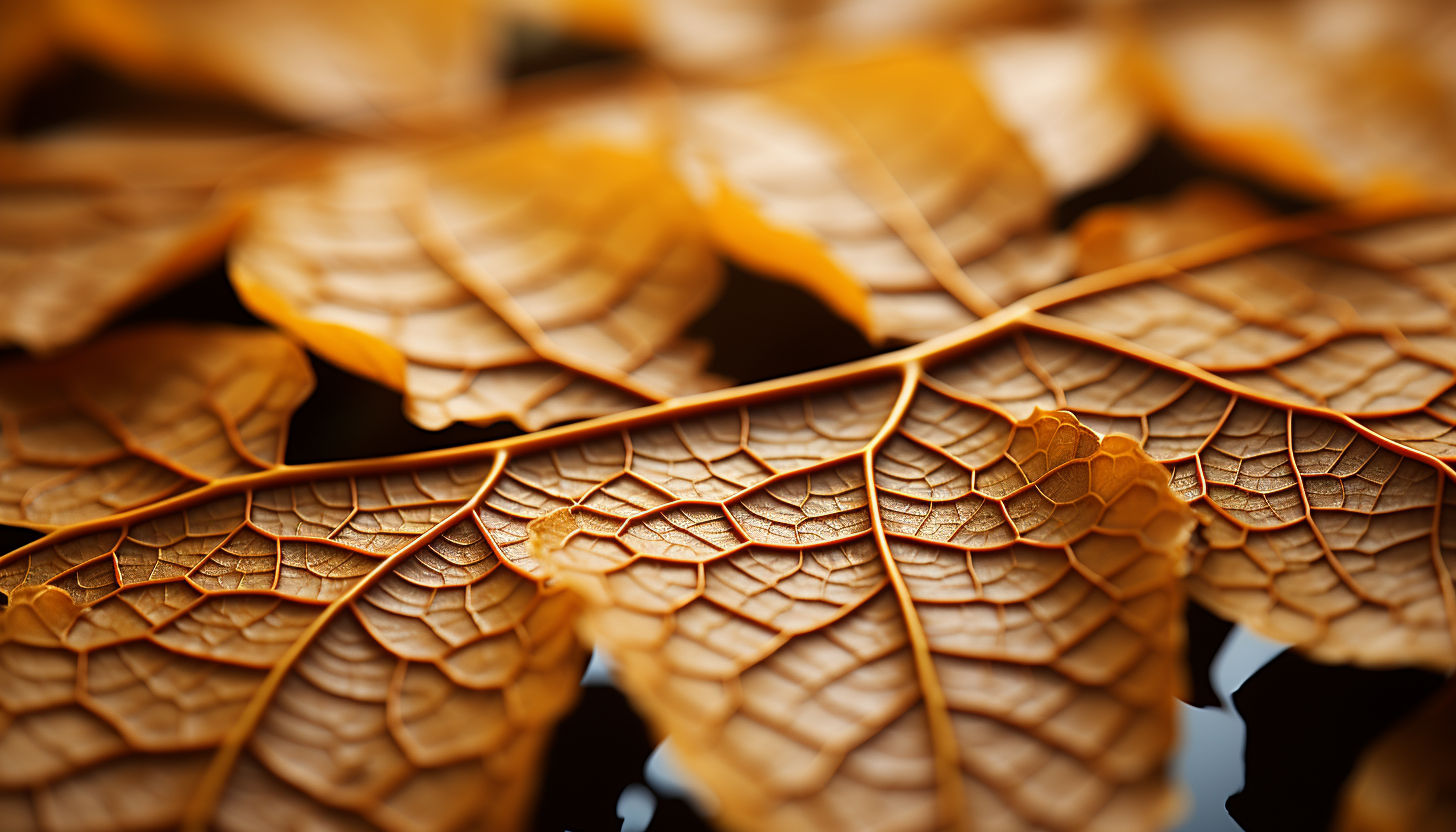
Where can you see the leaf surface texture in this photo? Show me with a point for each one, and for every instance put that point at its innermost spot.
(141, 415)
(539, 274)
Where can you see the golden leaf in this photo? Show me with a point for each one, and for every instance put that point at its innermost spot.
(392, 613)
(95, 220)
(542, 273)
(141, 415)
(886, 187)
(1115, 235)
(1406, 780)
(1070, 90)
(989, 634)
(337, 645)
(822, 651)
(349, 60)
(1332, 97)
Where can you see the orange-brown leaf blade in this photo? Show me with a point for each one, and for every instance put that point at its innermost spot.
(141, 415)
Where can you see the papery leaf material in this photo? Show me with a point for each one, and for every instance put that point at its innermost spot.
(1406, 780)
(25, 47)
(1115, 235)
(887, 187)
(1331, 97)
(541, 274)
(142, 415)
(94, 220)
(735, 558)
(1072, 93)
(355, 61)
(342, 648)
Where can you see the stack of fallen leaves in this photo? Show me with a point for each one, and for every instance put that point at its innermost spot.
(941, 588)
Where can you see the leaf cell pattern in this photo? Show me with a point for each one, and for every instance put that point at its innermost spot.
(542, 275)
(141, 415)
(94, 220)
(937, 587)
(350, 652)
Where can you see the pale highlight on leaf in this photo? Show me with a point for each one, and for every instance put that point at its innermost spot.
(325, 650)
(1406, 780)
(541, 274)
(1332, 97)
(142, 415)
(711, 37)
(95, 220)
(887, 187)
(353, 60)
(1070, 90)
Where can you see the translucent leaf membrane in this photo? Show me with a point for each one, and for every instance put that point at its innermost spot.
(333, 650)
(542, 273)
(94, 220)
(141, 415)
(901, 593)
(1331, 97)
(1404, 781)
(887, 187)
(936, 620)
(353, 62)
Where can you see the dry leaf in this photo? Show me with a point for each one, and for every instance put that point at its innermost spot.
(1070, 90)
(886, 187)
(1406, 780)
(330, 648)
(142, 415)
(1115, 235)
(611, 21)
(1331, 97)
(305, 59)
(988, 637)
(374, 637)
(541, 274)
(95, 220)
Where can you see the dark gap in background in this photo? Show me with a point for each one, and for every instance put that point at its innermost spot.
(762, 328)
(74, 90)
(1162, 169)
(1307, 724)
(598, 750)
(1206, 634)
(533, 50)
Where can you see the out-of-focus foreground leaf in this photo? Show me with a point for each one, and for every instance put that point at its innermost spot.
(887, 593)
(95, 220)
(141, 415)
(1406, 781)
(354, 61)
(541, 273)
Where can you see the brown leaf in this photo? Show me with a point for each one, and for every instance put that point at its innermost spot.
(976, 639)
(1071, 90)
(1331, 97)
(142, 415)
(352, 60)
(886, 187)
(542, 273)
(307, 602)
(1119, 234)
(339, 646)
(1406, 781)
(988, 634)
(95, 220)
